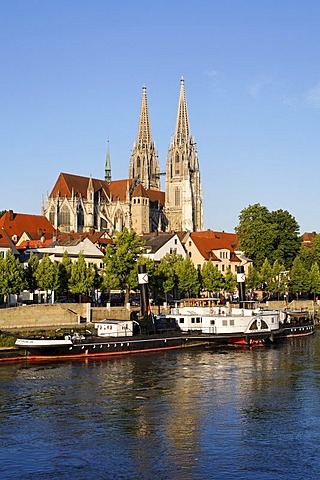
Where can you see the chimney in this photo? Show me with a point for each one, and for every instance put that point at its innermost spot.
(10, 215)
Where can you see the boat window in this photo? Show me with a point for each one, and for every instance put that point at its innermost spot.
(192, 320)
(198, 320)
(232, 322)
(181, 320)
(224, 323)
(211, 322)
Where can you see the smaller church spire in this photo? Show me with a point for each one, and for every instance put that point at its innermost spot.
(107, 174)
(182, 132)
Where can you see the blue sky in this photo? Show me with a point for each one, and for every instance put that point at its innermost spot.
(72, 73)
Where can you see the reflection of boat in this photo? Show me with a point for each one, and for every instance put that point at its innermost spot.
(294, 323)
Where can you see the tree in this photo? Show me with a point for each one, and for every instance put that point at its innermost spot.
(315, 279)
(299, 277)
(47, 275)
(212, 280)
(272, 235)
(167, 272)
(266, 274)
(65, 267)
(121, 262)
(11, 276)
(30, 273)
(81, 278)
(230, 281)
(187, 275)
(287, 240)
(253, 279)
(277, 281)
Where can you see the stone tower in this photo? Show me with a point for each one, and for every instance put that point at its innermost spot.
(107, 170)
(144, 163)
(183, 204)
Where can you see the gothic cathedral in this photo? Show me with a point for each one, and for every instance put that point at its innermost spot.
(82, 204)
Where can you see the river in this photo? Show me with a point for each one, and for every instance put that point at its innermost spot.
(194, 414)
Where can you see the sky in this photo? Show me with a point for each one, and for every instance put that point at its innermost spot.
(72, 73)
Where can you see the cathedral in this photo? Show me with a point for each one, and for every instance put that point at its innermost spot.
(83, 204)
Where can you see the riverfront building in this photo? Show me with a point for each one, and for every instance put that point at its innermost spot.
(82, 204)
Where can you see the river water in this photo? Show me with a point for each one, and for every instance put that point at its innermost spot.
(194, 414)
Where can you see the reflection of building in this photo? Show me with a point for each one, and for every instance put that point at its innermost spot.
(80, 204)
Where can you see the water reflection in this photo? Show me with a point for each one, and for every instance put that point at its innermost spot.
(193, 414)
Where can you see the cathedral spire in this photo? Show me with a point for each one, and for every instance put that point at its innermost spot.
(182, 132)
(107, 171)
(144, 132)
(144, 164)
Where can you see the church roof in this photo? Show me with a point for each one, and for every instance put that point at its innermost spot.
(140, 191)
(67, 183)
(156, 196)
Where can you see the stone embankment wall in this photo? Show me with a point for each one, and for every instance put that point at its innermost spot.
(58, 315)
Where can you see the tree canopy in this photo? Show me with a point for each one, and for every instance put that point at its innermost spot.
(273, 235)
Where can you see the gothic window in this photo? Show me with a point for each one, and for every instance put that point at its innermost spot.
(80, 218)
(52, 216)
(177, 197)
(177, 164)
(138, 167)
(65, 216)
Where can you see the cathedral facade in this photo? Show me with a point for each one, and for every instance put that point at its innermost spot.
(81, 204)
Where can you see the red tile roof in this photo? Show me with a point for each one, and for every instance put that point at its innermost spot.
(68, 183)
(34, 225)
(208, 240)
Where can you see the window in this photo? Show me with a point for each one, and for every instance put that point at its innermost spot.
(65, 216)
(222, 268)
(211, 322)
(192, 320)
(176, 241)
(198, 320)
(177, 197)
(177, 164)
(190, 254)
(52, 216)
(181, 320)
(232, 323)
(224, 323)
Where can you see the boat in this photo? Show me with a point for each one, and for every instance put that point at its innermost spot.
(244, 325)
(296, 323)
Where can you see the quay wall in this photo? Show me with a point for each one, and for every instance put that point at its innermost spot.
(58, 315)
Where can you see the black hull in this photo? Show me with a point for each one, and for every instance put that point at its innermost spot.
(290, 331)
(100, 347)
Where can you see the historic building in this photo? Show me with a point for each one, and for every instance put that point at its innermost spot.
(82, 204)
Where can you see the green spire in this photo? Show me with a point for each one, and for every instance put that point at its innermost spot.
(107, 174)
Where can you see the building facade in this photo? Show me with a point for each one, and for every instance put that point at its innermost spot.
(82, 204)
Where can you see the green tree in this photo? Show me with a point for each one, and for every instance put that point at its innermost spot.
(299, 278)
(11, 276)
(315, 279)
(266, 275)
(121, 262)
(65, 267)
(287, 240)
(212, 279)
(277, 281)
(230, 281)
(272, 235)
(167, 273)
(47, 275)
(30, 273)
(82, 277)
(187, 274)
(253, 279)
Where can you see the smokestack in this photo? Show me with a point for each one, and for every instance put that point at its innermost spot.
(241, 279)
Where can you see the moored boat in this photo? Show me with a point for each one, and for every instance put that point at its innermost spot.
(296, 323)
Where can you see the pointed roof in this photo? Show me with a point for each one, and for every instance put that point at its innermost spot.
(67, 184)
(144, 132)
(182, 132)
(107, 171)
